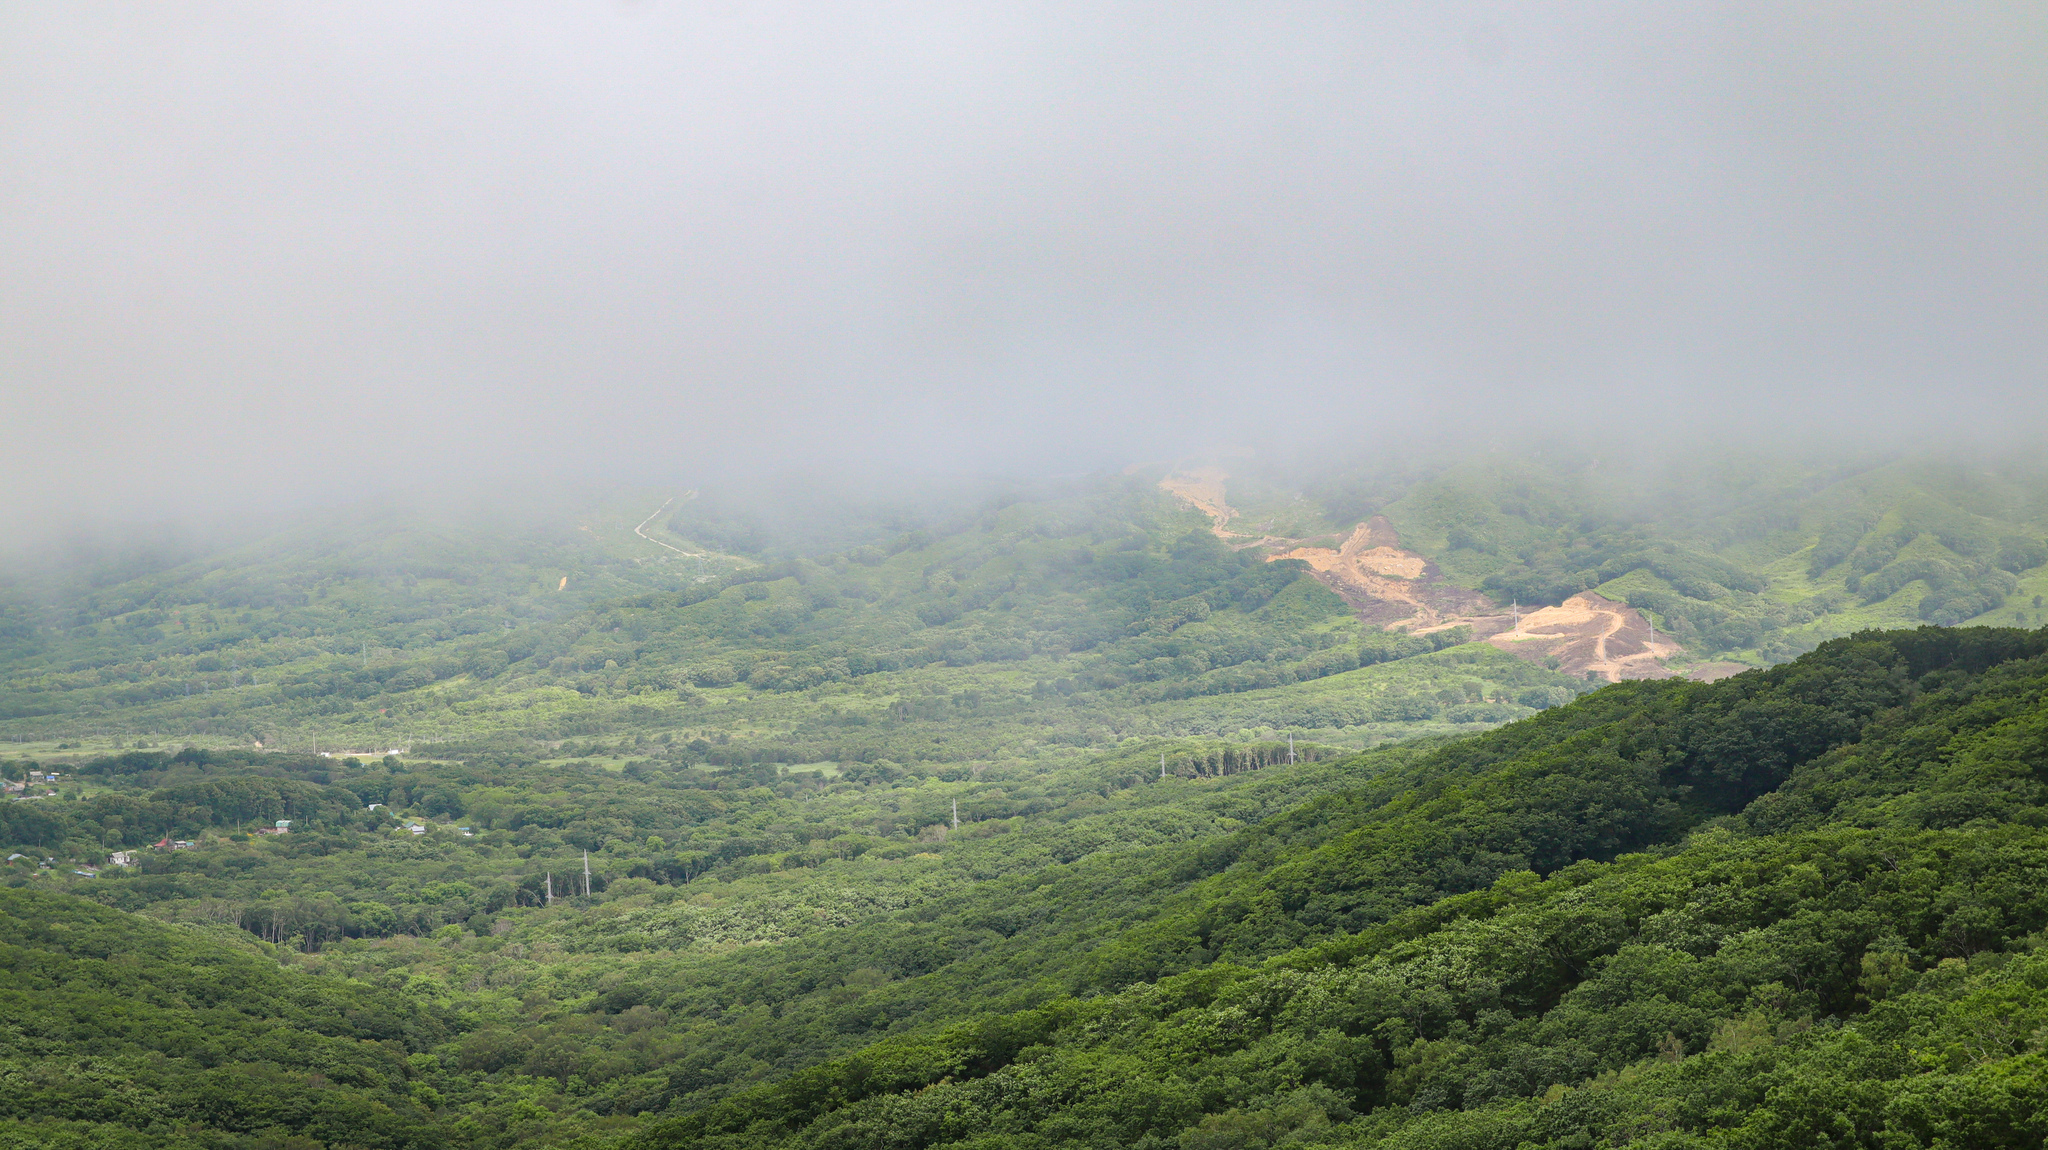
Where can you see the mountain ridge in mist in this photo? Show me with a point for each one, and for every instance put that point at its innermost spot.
(580, 605)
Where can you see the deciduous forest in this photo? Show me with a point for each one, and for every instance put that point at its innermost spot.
(1068, 818)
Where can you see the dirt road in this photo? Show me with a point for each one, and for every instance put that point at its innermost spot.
(641, 530)
(1393, 587)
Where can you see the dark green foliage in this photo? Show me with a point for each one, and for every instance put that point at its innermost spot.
(1743, 910)
(207, 790)
(2018, 553)
(1554, 572)
(1838, 538)
(112, 1019)
(1795, 905)
(1835, 959)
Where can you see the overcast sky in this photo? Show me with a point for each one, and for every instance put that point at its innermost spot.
(264, 249)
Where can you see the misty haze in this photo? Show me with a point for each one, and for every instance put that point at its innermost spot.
(653, 575)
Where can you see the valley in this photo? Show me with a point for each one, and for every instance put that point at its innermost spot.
(1133, 807)
(717, 576)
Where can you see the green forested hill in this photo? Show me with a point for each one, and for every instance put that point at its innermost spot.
(1023, 624)
(1796, 908)
(1756, 559)
(1012, 630)
(1044, 819)
(121, 1031)
(1791, 906)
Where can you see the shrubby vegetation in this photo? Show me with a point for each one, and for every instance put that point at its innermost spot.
(1051, 821)
(1052, 616)
(1757, 559)
(1793, 905)
(1021, 629)
(1828, 940)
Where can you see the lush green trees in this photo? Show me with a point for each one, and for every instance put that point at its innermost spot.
(170, 1031)
(1786, 907)
(1869, 980)
(1104, 599)
(394, 630)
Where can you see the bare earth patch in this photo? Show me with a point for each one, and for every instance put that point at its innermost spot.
(1399, 589)
(1590, 633)
(1203, 490)
(1386, 584)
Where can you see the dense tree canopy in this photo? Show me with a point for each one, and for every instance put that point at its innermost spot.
(1796, 905)
(1044, 819)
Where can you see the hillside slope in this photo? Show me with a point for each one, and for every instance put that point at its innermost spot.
(1748, 560)
(115, 1024)
(1793, 908)
(1032, 627)
(1668, 906)
(1028, 622)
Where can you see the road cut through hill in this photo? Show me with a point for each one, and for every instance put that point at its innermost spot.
(1202, 489)
(1387, 584)
(1591, 634)
(1392, 587)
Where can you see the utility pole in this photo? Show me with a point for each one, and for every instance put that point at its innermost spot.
(956, 814)
(586, 874)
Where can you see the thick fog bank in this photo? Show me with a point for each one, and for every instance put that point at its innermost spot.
(259, 256)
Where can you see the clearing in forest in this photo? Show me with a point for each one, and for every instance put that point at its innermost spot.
(1590, 633)
(1387, 584)
(1202, 489)
(1392, 587)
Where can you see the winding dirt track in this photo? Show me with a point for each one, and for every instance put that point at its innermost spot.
(641, 530)
(1590, 633)
(1202, 489)
(1399, 589)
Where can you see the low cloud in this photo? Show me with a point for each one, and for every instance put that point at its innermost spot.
(259, 254)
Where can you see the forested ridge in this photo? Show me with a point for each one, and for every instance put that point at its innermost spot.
(1011, 622)
(1021, 628)
(117, 1024)
(1046, 818)
(1795, 907)
(714, 575)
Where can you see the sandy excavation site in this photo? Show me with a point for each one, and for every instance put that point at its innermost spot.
(1399, 589)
